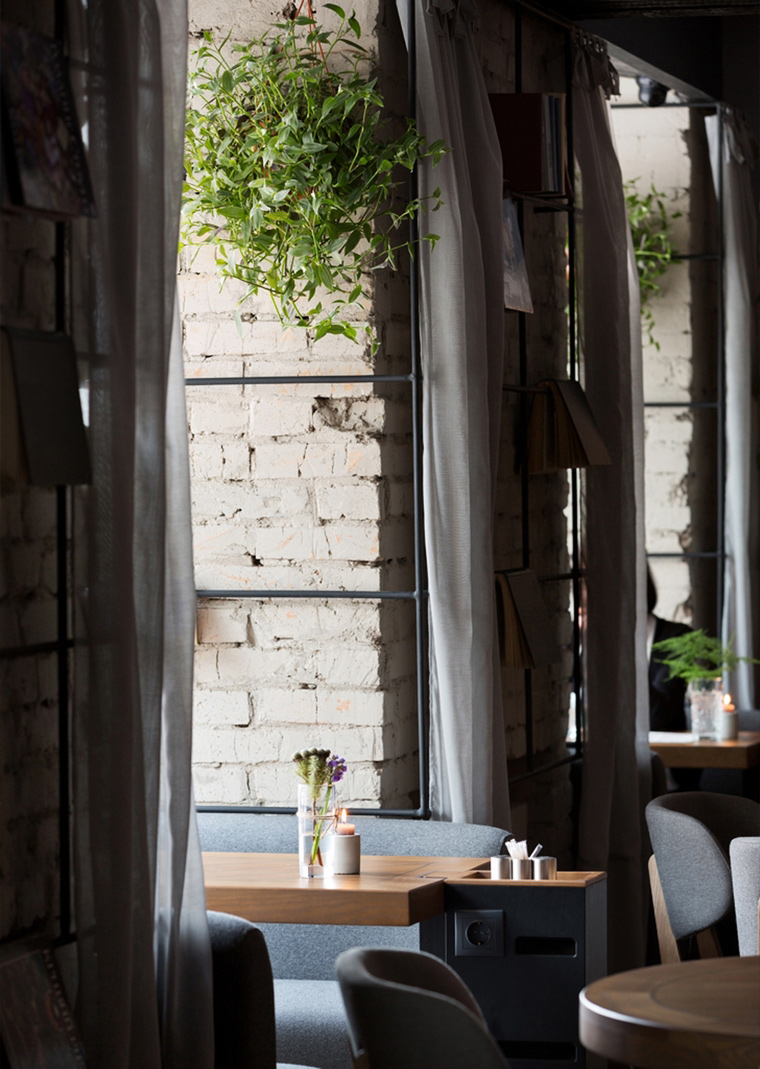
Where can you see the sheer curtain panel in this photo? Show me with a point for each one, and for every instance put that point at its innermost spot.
(461, 337)
(616, 771)
(741, 288)
(144, 960)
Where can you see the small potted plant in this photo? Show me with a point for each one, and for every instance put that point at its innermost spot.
(319, 772)
(700, 660)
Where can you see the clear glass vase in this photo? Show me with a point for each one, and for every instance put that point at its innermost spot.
(316, 817)
(704, 705)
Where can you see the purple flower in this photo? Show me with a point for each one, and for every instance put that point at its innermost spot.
(337, 767)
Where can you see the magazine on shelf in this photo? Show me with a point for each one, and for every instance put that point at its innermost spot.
(516, 284)
(45, 166)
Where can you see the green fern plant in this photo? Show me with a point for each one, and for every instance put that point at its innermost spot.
(292, 174)
(697, 655)
(651, 231)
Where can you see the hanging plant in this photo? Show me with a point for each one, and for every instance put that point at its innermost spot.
(291, 173)
(651, 231)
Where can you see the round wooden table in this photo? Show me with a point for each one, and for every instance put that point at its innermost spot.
(692, 1014)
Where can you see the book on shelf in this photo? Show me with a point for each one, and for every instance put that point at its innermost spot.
(44, 163)
(531, 131)
(524, 625)
(44, 440)
(562, 431)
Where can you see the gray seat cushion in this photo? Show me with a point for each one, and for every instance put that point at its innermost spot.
(311, 1023)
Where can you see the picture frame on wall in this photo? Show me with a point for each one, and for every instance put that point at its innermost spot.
(45, 170)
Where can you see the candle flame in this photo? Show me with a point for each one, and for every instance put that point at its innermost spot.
(344, 816)
(726, 700)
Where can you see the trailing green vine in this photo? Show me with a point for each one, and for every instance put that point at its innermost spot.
(291, 173)
(650, 224)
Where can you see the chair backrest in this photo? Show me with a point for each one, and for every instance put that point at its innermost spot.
(745, 876)
(294, 950)
(244, 1028)
(690, 833)
(408, 1009)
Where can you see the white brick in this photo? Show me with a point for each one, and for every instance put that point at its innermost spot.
(363, 458)
(289, 543)
(222, 624)
(208, 418)
(357, 501)
(274, 784)
(359, 666)
(237, 460)
(218, 539)
(322, 460)
(280, 461)
(285, 706)
(270, 337)
(352, 707)
(220, 785)
(352, 543)
(275, 417)
(222, 707)
(251, 666)
(203, 338)
(206, 460)
(205, 667)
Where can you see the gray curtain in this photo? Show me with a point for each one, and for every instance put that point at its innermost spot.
(741, 287)
(144, 957)
(616, 772)
(461, 334)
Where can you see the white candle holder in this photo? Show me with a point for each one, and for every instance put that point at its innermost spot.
(343, 854)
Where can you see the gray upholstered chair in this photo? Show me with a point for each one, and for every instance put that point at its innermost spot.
(745, 877)
(244, 1029)
(311, 1023)
(407, 1010)
(690, 872)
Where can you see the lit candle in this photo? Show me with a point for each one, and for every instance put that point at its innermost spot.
(343, 827)
(728, 728)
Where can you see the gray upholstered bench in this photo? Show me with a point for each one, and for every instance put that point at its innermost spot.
(311, 1025)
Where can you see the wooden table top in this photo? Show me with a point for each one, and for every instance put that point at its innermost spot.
(389, 890)
(692, 1014)
(743, 752)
